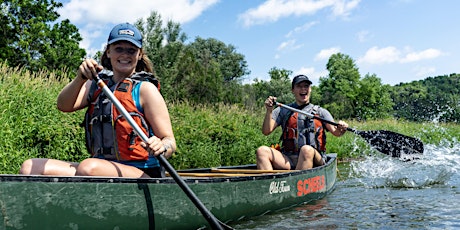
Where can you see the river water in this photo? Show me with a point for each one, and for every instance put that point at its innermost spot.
(380, 192)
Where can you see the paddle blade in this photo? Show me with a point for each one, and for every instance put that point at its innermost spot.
(391, 143)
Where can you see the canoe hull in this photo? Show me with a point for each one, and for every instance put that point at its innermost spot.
(42, 202)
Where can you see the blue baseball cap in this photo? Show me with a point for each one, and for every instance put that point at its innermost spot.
(125, 32)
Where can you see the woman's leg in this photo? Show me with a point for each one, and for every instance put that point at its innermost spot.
(101, 167)
(42, 166)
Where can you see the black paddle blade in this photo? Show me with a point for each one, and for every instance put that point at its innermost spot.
(391, 143)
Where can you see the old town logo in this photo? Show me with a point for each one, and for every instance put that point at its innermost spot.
(279, 187)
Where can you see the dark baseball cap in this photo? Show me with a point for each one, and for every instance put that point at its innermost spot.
(300, 78)
(125, 32)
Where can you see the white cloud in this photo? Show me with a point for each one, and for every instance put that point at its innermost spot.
(376, 55)
(364, 36)
(273, 10)
(391, 54)
(302, 28)
(343, 8)
(425, 54)
(114, 11)
(305, 70)
(326, 53)
(289, 45)
(94, 16)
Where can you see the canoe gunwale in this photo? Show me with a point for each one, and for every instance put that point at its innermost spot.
(167, 180)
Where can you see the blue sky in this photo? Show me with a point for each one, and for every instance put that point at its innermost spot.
(397, 40)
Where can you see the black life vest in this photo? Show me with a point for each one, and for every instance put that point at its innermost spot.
(299, 130)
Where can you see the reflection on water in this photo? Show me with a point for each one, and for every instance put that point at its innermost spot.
(380, 192)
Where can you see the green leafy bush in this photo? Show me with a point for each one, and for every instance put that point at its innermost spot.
(31, 124)
(206, 135)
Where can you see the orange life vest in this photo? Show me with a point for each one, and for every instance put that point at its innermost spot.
(298, 132)
(108, 134)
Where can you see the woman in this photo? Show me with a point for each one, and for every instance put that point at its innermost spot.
(124, 57)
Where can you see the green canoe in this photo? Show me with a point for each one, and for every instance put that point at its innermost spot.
(230, 193)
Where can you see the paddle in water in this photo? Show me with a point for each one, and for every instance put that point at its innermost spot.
(212, 220)
(387, 142)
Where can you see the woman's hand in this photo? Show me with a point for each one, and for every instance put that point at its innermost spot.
(154, 146)
(88, 69)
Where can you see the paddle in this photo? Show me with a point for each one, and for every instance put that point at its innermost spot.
(387, 142)
(212, 220)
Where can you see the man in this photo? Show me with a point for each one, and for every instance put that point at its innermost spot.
(303, 139)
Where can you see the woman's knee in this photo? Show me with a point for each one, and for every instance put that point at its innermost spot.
(26, 167)
(263, 151)
(307, 151)
(88, 167)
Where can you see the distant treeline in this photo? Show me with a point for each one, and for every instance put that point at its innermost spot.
(431, 99)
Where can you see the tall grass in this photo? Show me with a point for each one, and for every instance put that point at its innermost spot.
(31, 124)
(215, 135)
(207, 135)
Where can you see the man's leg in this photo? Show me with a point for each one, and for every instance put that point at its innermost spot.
(270, 158)
(308, 157)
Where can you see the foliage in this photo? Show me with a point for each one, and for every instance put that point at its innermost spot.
(210, 136)
(373, 100)
(207, 135)
(216, 119)
(279, 86)
(339, 89)
(33, 127)
(165, 48)
(232, 65)
(204, 71)
(33, 40)
(31, 124)
(220, 69)
(430, 99)
(348, 96)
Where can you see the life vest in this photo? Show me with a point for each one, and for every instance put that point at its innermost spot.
(299, 130)
(108, 134)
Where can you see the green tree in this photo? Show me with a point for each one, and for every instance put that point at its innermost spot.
(232, 65)
(206, 70)
(279, 86)
(165, 47)
(220, 70)
(373, 99)
(339, 90)
(408, 99)
(200, 79)
(34, 40)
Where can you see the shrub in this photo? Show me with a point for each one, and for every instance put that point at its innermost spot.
(31, 124)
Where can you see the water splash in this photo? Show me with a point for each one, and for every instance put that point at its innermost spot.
(435, 168)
